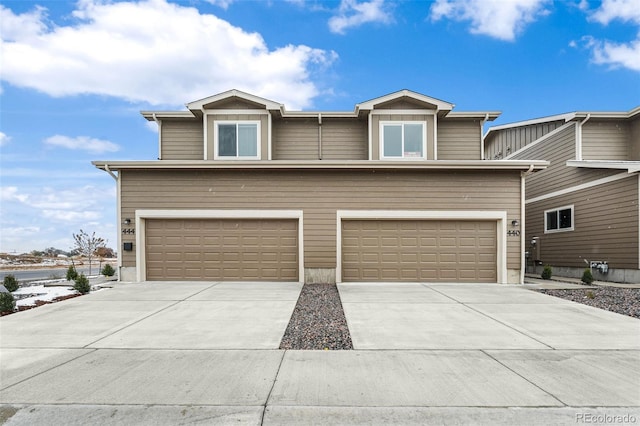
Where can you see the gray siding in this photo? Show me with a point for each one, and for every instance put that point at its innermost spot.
(606, 226)
(505, 142)
(634, 142)
(182, 140)
(319, 193)
(605, 140)
(344, 139)
(557, 149)
(295, 139)
(459, 140)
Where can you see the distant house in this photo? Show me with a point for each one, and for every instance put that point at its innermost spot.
(395, 190)
(582, 211)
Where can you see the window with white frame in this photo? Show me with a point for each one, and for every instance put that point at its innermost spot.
(559, 220)
(237, 140)
(403, 140)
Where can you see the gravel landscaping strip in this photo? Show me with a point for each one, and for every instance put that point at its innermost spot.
(625, 301)
(318, 321)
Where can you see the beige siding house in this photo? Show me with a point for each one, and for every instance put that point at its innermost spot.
(582, 211)
(395, 190)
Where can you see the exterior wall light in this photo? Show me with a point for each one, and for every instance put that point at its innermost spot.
(515, 222)
(127, 221)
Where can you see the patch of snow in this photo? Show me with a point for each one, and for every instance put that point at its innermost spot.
(33, 293)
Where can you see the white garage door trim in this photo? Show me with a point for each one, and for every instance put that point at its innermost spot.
(499, 216)
(143, 215)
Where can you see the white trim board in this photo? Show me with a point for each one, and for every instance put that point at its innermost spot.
(580, 187)
(498, 215)
(143, 215)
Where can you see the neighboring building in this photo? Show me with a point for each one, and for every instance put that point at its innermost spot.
(396, 190)
(582, 211)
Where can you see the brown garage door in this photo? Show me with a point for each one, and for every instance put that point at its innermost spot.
(419, 250)
(222, 249)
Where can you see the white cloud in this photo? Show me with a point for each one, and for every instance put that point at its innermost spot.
(500, 19)
(83, 143)
(153, 126)
(353, 14)
(20, 231)
(4, 139)
(615, 54)
(152, 51)
(11, 193)
(624, 10)
(70, 216)
(224, 4)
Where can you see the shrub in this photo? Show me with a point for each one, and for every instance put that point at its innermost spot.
(10, 283)
(587, 276)
(546, 273)
(590, 295)
(72, 274)
(82, 285)
(7, 304)
(108, 270)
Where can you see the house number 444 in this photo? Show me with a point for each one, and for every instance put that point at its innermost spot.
(129, 231)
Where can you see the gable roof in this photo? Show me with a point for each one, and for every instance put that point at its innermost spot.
(439, 105)
(199, 105)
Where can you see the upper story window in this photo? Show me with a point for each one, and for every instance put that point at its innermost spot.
(403, 139)
(237, 140)
(558, 220)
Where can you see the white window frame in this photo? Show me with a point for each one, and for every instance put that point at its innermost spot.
(402, 123)
(217, 123)
(557, 210)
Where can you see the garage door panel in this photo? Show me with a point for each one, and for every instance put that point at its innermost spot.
(222, 249)
(427, 250)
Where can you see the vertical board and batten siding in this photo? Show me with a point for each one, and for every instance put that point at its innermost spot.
(606, 226)
(459, 140)
(557, 149)
(264, 130)
(320, 193)
(295, 139)
(605, 140)
(344, 139)
(182, 140)
(507, 141)
(375, 131)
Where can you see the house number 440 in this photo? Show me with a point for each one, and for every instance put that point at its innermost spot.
(513, 233)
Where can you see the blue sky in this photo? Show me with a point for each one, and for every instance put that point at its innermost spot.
(74, 76)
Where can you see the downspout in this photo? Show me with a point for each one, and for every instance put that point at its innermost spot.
(118, 218)
(159, 123)
(523, 265)
(484, 120)
(319, 136)
(579, 137)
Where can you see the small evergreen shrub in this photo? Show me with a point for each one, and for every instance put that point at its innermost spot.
(82, 285)
(587, 276)
(546, 273)
(7, 304)
(10, 283)
(108, 270)
(72, 274)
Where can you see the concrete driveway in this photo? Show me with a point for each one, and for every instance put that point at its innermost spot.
(182, 353)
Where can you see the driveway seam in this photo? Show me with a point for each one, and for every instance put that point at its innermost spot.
(147, 316)
(494, 319)
(91, 350)
(523, 377)
(273, 385)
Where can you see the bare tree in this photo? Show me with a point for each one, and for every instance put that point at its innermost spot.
(88, 244)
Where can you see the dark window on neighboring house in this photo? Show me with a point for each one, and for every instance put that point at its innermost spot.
(558, 220)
